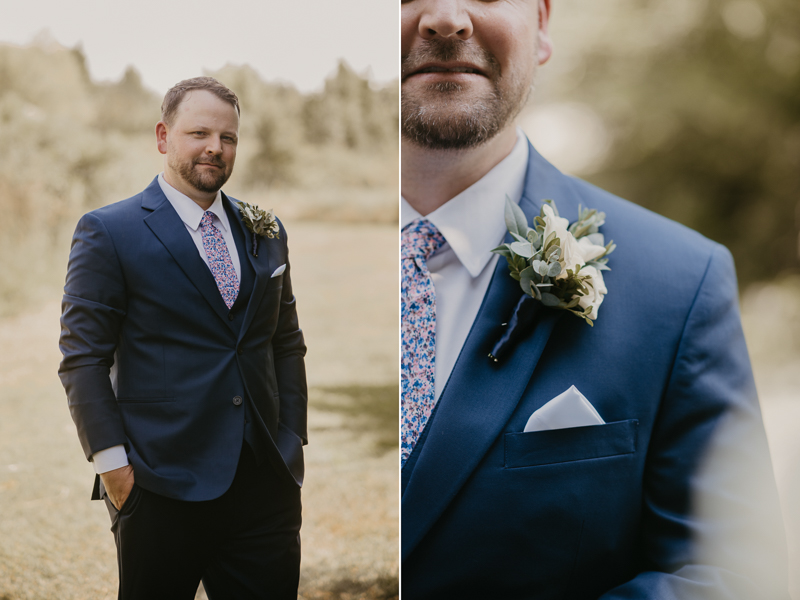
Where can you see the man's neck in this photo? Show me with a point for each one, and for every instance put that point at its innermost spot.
(429, 178)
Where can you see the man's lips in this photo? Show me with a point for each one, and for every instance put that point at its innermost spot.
(446, 68)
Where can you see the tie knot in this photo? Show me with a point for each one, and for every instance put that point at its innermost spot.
(421, 239)
(208, 218)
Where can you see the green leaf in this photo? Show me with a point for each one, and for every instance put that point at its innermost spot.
(540, 267)
(515, 218)
(551, 240)
(523, 249)
(502, 250)
(554, 270)
(526, 279)
(553, 253)
(549, 299)
(520, 238)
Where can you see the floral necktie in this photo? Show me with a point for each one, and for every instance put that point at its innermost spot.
(219, 259)
(420, 240)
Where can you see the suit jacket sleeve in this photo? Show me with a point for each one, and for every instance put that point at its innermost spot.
(93, 309)
(711, 517)
(289, 350)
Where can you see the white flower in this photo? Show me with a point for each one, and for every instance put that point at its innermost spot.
(597, 290)
(573, 252)
(590, 251)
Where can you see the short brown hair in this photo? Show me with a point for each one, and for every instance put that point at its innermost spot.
(176, 93)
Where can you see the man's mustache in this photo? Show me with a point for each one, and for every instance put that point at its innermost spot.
(447, 50)
(215, 162)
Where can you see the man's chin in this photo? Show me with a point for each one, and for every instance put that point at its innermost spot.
(437, 128)
(207, 183)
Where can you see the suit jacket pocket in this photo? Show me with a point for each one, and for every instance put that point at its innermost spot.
(567, 445)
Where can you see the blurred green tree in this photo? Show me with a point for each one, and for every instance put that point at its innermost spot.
(706, 124)
(273, 161)
(350, 112)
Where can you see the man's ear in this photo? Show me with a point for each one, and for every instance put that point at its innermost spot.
(545, 43)
(161, 137)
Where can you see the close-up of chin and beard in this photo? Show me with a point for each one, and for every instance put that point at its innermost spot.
(444, 112)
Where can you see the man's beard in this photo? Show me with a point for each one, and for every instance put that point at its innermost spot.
(446, 117)
(209, 182)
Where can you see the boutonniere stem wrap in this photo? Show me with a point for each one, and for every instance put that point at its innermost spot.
(260, 222)
(557, 264)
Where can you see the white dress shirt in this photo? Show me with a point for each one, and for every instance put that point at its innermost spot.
(191, 214)
(473, 224)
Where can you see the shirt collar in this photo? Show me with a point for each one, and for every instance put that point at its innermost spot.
(473, 222)
(188, 210)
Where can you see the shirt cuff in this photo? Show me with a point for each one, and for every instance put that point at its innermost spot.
(110, 459)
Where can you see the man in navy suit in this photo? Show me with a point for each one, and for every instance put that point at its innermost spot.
(671, 494)
(184, 370)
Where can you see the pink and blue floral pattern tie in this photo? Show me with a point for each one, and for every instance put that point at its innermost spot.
(420, 240)
(219, 259)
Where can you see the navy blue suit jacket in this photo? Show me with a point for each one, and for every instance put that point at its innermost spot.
(621, 510)
(155, 360)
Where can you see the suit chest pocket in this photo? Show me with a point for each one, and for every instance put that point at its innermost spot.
(555, 446)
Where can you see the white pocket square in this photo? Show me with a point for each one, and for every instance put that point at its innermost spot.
(569, 409)
(278, 271)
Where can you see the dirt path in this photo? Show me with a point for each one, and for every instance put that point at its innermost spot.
(55, 543)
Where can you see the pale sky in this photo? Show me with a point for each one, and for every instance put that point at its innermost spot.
(296, 41)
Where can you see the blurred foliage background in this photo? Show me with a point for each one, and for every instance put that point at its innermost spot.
(688, 107)
(70, 145)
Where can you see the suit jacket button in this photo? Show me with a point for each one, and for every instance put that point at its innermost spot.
(239, 351)
(237, 400)
(230, 316)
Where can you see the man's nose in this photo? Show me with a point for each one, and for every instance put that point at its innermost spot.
(214, 145)
(445, 19)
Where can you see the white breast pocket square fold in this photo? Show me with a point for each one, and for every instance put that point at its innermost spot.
(278, 271)
(569, 409)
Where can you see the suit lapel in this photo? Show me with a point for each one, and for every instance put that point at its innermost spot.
(481, 395)
(261, 264)
(167, 226)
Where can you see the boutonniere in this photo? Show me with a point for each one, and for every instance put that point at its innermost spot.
(557, 264)
(260, 222)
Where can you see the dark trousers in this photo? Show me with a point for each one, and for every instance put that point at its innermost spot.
(244, 544)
